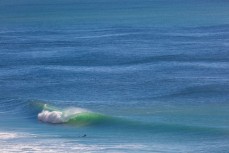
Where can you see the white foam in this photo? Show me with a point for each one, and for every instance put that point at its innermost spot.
(36, 143)
(51, 117)
(8, 135)
(13, 135)
(59, 116)
(29, 144)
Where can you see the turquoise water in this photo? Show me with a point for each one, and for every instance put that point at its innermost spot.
(114, 76)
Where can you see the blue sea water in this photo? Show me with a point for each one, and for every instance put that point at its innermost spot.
(131, 75)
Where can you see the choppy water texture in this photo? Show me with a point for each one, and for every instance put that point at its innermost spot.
(114, 76)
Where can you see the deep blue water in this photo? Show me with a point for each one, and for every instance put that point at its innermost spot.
(133, 75)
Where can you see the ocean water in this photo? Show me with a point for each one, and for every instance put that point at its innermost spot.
(114, 76)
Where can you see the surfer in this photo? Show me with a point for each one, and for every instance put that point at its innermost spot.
(84, 135)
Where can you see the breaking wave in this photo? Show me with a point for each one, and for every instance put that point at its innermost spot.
(82, 117)
(74, 115)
